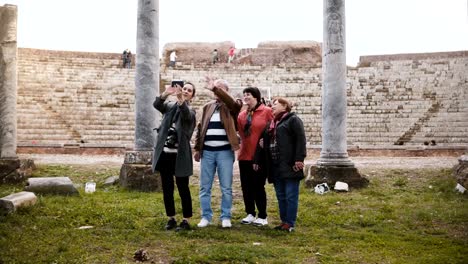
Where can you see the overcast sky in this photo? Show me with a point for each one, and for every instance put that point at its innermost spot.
(373, 27)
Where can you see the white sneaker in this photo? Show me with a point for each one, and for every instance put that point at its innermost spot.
(226, 223)
(248, 220)
(260, 222)
(204, 223)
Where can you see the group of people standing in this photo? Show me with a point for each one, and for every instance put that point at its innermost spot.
(270, 142)
(215, 55)
(127, 59)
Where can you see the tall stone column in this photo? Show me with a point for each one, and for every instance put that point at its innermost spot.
(136, 171)
(8, 81)
(12, 169)
(147, 73)
(334, 163)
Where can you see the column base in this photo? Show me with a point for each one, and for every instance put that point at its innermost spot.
(14, 170)
(460, 171)
(136, 172)
(330, 174)
(337, 162)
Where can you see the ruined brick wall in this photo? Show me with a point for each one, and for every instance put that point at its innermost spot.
(399, 100)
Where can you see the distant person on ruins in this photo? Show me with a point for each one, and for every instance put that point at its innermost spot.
(124, 58)
(172, 59)
(172, 154)
(129, 60)
(231, 53)
(214, 56)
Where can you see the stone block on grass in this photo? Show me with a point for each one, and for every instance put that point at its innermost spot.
(12, 202)
(51, 185)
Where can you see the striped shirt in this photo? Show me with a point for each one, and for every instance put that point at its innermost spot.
(216, 138)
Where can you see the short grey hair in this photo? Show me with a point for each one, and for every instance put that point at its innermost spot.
(223, 82)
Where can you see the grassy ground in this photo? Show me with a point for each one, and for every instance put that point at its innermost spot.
(404, 216)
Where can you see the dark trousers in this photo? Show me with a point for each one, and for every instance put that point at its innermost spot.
(166, 168)
(253, 189)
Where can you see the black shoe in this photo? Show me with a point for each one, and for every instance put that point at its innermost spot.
(184, 225)
(171, 224)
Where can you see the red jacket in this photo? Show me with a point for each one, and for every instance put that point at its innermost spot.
(261, 116)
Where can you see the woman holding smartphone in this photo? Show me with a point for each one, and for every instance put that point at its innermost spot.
(172, 154)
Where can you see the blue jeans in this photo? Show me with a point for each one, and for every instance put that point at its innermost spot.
(223, 162)
(287, 193)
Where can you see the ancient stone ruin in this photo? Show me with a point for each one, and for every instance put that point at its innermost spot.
(84, 102)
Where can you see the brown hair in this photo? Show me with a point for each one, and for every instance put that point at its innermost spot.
(194, 89)
(284, 102)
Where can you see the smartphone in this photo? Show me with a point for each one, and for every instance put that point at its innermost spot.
(179, 82)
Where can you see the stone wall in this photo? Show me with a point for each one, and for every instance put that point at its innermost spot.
(86, 99)
(74, 98)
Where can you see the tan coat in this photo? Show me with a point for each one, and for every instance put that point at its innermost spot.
(229, 110)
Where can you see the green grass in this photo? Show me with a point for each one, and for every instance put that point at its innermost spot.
(404, 216)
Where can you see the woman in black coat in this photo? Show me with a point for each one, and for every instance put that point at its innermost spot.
(281, 152)
(172, 154)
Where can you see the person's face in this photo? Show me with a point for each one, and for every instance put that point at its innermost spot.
(277, 107)
(187, 92)
(250, 100)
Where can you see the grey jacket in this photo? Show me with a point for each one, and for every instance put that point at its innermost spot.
(184, 125)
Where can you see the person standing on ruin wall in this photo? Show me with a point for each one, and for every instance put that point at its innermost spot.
(231, 54)
(129, 60)
(172, 59)
(172, 154)
(214, 56)
(124, 58)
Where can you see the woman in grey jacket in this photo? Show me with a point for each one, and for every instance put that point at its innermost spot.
(172, 154)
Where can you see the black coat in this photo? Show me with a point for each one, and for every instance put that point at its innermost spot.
(184, 125)
(291, 143)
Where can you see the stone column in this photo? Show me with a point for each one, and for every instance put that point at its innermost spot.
(136, 171)
(334, 164)
(147, 73)
(8, 81)
(12, 169)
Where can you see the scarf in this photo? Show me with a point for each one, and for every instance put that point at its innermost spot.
(248, 124)
(274, 123)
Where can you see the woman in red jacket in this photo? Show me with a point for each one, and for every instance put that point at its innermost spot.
(251, 123)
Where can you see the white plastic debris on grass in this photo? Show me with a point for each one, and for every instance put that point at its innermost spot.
(90, 187)
(460, 188)
(321, 188)
(341, 186)
(85, 227)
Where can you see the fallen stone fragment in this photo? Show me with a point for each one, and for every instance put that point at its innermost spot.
(111, 181)
(12, 202)
(141, 255)
(51, 185)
